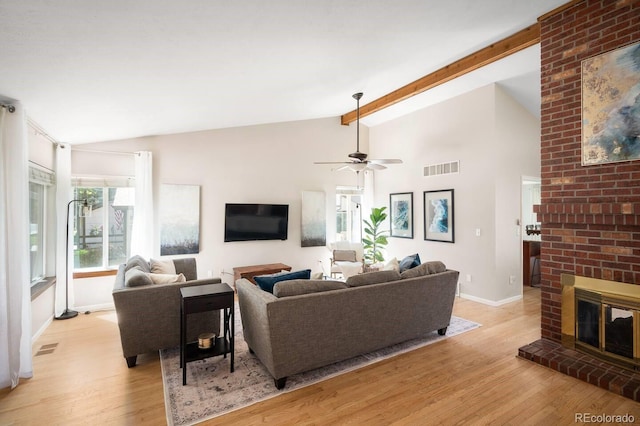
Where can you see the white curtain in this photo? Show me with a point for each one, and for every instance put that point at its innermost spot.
(142, 232)
(63, 196)
(15, 294)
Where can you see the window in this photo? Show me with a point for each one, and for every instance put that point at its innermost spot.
(102, 239)
(40, 182)
(37, 204)
(348, 214)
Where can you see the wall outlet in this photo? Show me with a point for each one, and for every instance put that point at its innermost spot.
(468, 278)
(512, 279)
(478, 232)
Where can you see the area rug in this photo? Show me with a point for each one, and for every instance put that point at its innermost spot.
(212, 390)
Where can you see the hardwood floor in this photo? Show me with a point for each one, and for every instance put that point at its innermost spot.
(473, 378)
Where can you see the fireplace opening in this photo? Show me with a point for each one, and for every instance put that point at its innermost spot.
(618, 331)
(588, 323)
(602, 318)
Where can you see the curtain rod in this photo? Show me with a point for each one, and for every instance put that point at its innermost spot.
(40, 131)
(96, 151)
(9, 107)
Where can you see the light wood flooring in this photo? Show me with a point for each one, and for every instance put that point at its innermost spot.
(472, 378)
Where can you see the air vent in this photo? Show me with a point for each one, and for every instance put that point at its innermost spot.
(442, 168)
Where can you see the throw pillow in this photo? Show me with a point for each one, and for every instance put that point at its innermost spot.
(317, 275)
(167, 278)
(409, 262)
(372, 278)
(392, 265)
(298, 287)
(162, 266)
(138, 261)
(136, 277)
(266, 282)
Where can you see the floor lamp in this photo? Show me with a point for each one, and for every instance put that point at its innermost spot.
(67, 314)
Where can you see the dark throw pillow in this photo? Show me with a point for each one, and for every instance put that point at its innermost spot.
(266, 282)
(409, 262)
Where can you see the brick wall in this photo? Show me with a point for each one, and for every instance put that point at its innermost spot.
(590, 215)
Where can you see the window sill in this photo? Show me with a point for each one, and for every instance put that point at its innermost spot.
(93, 274)
(41, 286)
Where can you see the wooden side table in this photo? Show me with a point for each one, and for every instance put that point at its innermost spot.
(204, 298)
(251, 271)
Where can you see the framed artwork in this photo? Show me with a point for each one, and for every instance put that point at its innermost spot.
(611, 106)
(179, 219)
(313, 232)
(438, 216)
(401, 214)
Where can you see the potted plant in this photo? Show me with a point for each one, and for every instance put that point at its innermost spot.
(375, 239)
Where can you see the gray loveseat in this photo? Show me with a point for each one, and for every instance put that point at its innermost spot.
(149, 314)
(306, 324)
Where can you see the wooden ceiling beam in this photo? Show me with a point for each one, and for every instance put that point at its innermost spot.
(521, 40)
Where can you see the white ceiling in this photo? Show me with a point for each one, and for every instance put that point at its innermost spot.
(98, 70)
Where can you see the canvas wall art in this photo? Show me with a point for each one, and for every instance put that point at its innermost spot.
(401, 214)
(314, 219)
(179, 219)
(611, 106)
(438, 216)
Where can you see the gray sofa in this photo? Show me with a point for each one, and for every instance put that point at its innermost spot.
(149, 314)
(306, 324)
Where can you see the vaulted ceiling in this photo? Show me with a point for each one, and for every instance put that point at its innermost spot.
(102, 70)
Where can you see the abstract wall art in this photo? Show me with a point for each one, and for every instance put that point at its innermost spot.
(401, 214)
(611, 106)
(313, 231)
(179, 219)
(438, 216)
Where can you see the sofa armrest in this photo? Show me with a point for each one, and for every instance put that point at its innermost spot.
(253, 302)
(149, 316)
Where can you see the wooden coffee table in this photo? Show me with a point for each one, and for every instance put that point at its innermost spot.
(251, 271)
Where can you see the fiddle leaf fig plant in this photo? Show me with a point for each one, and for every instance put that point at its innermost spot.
(375, 239)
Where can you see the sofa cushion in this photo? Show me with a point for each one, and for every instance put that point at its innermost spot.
(162, 266)
(298, 287)
(426, 268)
(139, 261)
(167, 278)
(372, 278)
(266, 282)
(136, 277)
(409, 262)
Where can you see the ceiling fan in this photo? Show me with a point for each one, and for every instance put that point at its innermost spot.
(359, 160)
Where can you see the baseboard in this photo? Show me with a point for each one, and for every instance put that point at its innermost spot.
(94, 308)
(490, 302)
(41, 330)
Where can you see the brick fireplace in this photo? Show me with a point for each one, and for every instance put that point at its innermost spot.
(589, 215)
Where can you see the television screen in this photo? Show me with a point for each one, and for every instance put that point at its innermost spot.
(250, 222)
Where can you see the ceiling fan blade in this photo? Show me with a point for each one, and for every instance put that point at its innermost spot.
(355, 167)
(386, 161)
(374, 166)
(332, 162)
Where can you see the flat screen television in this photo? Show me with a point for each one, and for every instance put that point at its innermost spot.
(250, 222)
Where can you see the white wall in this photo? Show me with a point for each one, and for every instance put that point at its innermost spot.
(270, 163)
(496, 142)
